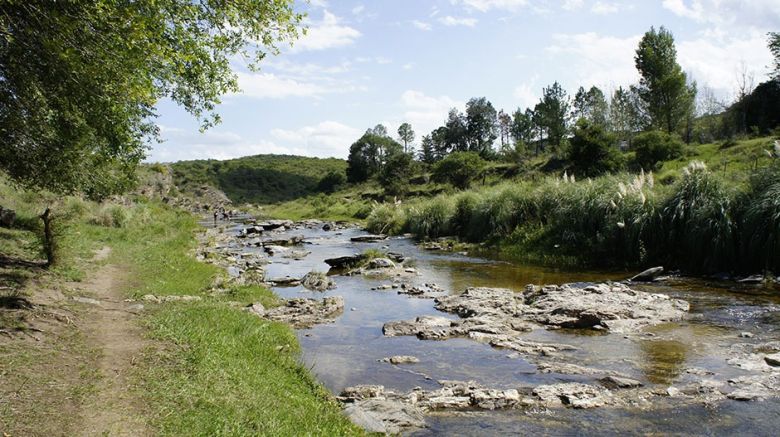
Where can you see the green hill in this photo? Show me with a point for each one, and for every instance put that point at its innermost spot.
(257, 179)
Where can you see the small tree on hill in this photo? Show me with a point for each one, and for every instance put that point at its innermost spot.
(459, 169)
(592, 150)
(332, 181)
(395, 173)
(656, 146)
(406, 134)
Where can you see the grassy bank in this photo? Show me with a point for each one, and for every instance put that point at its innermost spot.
(701, 223)
(212, 369)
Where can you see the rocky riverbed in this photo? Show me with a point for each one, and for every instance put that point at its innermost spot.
(422, 341)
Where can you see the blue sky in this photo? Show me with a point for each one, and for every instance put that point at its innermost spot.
(394, 61)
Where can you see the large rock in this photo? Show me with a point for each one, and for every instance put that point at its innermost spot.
(305, 313)
(317, 281)
(381, 263)
(344, 262)
(401, 359)
(648, 275)
(572, 394)
(271, 225)
(7, 217)
(369, 238)
(385, 416)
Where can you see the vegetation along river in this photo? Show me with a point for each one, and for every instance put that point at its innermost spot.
(689, 369)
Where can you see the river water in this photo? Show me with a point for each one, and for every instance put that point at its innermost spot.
(347, 352)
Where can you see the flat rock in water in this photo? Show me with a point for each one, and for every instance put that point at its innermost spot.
(317, 281)
(648, 275)
(270, 225)
(385, 416)
(381, 263)
(285, 281)
(343, 262)
(618, 382)
(369, 238)
(572, 394)
(773, 360)
(401, 359)
(753, 279)
(305, 313)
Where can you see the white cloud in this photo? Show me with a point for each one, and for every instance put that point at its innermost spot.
(604, 8)
(306, 69)
(714, 61)
(422, 25)
(526, 96)
(426, 113)
(600, 60)
(325, 139)
(319, 3)
(179, 144)
(408, 66)
(381, 60)
(572, 5)
(325, 34)
(449, 20)
(357, 10)
(271, 86)
(486, 5)
(759, 14)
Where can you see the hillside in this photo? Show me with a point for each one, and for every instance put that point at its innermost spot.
(258, 179)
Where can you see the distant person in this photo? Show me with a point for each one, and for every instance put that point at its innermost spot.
(215, 217)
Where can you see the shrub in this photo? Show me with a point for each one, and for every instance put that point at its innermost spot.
(592, 150)
(111, 216)
(656, 146)
(432, 218)
(395, 173)
(458, 169)
(760, 224)
(385, 219)
(332, 181)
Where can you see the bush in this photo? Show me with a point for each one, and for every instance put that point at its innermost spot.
(431, 219)
(656, 146)
(111, 216)
(592, 150)
(385, 219)
(458, 169)
(395, 173)
(332, 181)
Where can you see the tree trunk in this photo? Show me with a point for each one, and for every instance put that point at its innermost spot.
(48, 237)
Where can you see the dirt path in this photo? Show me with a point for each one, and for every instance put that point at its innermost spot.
(114, 332)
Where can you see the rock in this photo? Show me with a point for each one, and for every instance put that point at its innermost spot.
(359, 392)
(448, 402)
(304, 313)
(746, 335)
(344, 262)
(614, 382)
(317, 281)
(648, 275)
(572, 394)
(270, 225)
(7, 217)
(257, 309)
(573, 369)
(381, 263)
(396, 257)
(292, 241)
(285, 281)
(296, 254)
(773, 360)
(233, 272)
(385, 416)
(86, 300)
(327, 227)
(400, 359)
(427, 324)
(369, 238)
(253, 230)
(672, 392)
(273, 249)
(490, 399)
(753, 279)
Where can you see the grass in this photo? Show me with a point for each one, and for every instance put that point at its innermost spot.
(212, 369)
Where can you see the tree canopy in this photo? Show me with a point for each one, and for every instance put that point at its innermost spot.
(79, 80)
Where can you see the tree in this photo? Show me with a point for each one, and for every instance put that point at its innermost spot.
(459, 169)
(395, 173)
(80, 79)
(774, 47)
(552, 114)
(522, 128)
(625, 114)
(367, 155)
(504, 127)
(591, 105)
(331, 181)
(406, 134)
(481, 121)
(457, 133)
(656, 146)
(663, 85)
(427, 150)
(592, 150)
(379, 130)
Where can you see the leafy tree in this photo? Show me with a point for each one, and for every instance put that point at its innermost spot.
(552, 114)
(459, 169)
(481, 121)
(367, 155)
(427, 150)
(591, 105)
(79, 80)
(441, 147)
(406, 134)
(774, 47)
(504, 127)
(457, 133)
(592, 150)
(663, 86)
(625, 113)
(395, 173)
(379, 130)
(332, 181)
(656, 146)
(523, 125)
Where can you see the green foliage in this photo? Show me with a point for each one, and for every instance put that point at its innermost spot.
(459, 169)
(257, 179)
(81, 79)
(394, 175)
(367, 155)
(406, 134)
(481, 120)
(332, 181)
(760, 230)
(592, 151)
(551, 114)
(774, 47)
(663, 85)
(385, 219)
(431, 218)
(654, 147)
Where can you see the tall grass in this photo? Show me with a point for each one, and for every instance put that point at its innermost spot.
(701, 223)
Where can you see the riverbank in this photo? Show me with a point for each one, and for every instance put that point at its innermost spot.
(197, 366)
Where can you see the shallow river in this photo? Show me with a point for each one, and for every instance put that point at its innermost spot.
(346, 352)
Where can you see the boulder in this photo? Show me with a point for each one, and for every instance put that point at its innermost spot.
(381, 263)
(385, 416)
(773, 360)
(368, 238)
(344, 262)
(572, 394)
(7, 217)
(317, 281)
(648, 275)
(614, 382)
(270, 225)
(305, 313)
(401, 359)
(359, 392)
(285, 281)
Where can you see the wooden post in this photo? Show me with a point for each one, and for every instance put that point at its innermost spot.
(48, 237)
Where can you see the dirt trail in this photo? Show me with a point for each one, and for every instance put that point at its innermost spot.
(113, 330)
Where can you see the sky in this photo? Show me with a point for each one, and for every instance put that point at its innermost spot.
(393, 61)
